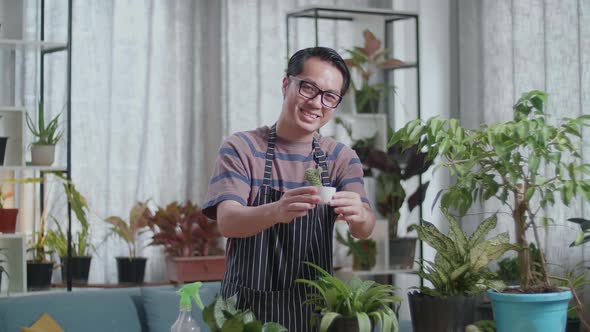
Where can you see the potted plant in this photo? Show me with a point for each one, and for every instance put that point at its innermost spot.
(354, 306)
(7, 215)
(313, 176)
(367, 60)
(363, 251)
(507, 162)
(222, 316)
(40, 267)
(131, 269)
(56, 239)
(188, 237)
(46, 137)
(458, 275)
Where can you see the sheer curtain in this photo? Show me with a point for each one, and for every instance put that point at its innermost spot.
(509, 47)
(146, 115)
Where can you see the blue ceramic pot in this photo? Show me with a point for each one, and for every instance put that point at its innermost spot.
(545, 312)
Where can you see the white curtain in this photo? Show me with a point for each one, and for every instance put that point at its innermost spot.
(509, 47)
(146, 115)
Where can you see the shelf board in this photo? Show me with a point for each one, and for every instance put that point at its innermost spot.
(11, 108)
(32, 45)
(347, 13)
(11, 235)
(34, 168)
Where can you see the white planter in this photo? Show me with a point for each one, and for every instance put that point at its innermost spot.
(326, 194)
(42, 155)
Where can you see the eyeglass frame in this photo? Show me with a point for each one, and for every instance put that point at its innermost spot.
(319, 92)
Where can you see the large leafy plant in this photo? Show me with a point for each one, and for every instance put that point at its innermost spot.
(366, 60)
(182, 229)
(508, 162)
(364, 251)
(44, 134)
(129, 231)
(460, 263)
(365, 300)
(224, 316)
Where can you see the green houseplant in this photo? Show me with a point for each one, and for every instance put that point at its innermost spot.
(56, 239)
(506, 162)
(458, 274)
(131, 269)
(367, 60)
(364, 251)
(224, 316)
(46, 137)
(188, 237)
(350, 306)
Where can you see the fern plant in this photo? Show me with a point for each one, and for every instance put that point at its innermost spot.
(364, 300)
(224, 316)
(459, 266)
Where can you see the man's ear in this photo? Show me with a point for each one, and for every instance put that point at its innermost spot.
(285, 85)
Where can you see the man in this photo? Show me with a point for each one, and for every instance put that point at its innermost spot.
(258, 195)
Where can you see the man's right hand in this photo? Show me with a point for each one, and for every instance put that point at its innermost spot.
(296, 203)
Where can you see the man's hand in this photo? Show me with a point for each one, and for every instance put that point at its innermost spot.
(349, 207)
(296, 203)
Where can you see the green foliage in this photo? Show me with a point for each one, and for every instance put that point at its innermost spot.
(364, 251)
(509, 162)
(584, 235)
(482, 326)
(314, 176)
(459, 267)
(365, 300)
(45, 135)
(509, 268)
(56, 239)
(365, 60)
(224, 316)
(128, 231)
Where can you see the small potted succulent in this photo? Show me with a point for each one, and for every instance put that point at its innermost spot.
(314, 177)
(131, 269)
(354, 306)
(47, 136)
(189, 240)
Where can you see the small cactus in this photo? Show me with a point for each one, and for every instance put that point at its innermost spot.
(314, 176)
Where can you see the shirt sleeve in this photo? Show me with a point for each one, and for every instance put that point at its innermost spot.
(231, 177)
(349, 173)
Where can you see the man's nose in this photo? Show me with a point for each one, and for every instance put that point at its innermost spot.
(317, 100)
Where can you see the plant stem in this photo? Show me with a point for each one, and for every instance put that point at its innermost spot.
(524, 256)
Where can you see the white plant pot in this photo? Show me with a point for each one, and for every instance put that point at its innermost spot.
(326, 194)
(42, 155)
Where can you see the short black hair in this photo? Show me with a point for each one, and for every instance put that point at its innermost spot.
(295, 66)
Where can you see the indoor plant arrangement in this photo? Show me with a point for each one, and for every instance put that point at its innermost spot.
(224, 316)
(458, 275)
(46, 137)
(506, 161)
(364, 251)
(352, 306)
(367, 60)
(131, 269)
(56, 239)
(189, 240)
(40, 267)
(7, 215)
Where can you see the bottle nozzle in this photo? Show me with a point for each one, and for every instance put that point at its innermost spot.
(186, 292)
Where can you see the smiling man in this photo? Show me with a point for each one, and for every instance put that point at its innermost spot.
(271, 218)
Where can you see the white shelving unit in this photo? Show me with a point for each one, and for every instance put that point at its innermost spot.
(15, 245)
(31, 45)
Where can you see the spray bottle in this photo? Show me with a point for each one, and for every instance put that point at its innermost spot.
(185, 322)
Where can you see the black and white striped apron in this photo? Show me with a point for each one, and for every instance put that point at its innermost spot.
(262, 269)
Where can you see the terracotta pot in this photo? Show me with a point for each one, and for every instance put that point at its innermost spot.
(190, 269)
(8, 220)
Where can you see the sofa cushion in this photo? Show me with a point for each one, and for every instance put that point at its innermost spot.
(161, 305)
(84, 310)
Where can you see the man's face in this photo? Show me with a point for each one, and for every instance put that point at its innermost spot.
(304, 114)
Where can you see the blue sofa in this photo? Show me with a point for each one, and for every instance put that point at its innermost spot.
(146, 309)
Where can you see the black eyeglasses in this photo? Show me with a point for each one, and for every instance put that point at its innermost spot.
(310, 91)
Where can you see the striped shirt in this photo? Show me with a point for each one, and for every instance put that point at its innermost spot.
(239, 168)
